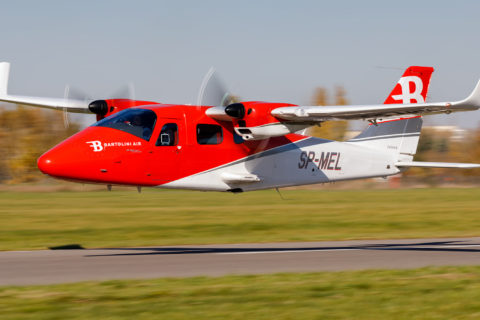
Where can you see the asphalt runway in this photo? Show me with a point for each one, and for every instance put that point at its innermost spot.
(63, 266)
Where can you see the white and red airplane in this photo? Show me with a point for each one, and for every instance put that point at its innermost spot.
(241, 146)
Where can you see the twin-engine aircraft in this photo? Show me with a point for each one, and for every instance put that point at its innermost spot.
(240, 146)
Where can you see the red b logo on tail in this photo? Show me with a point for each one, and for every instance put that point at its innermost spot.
(407, 96)
(412, 86)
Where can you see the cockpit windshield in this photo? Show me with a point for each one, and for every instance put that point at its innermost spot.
(139, 122)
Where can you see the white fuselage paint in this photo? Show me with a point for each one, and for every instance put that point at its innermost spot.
(299, 163)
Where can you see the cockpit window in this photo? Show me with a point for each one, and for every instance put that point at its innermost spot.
(139, 122)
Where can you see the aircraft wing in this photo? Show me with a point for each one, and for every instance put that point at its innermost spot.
(302, 114)
(71, 105)
(421, 164)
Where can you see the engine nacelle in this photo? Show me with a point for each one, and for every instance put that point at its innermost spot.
(105, 108)
(253, 120)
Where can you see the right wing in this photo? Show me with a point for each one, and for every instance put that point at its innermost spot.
(303, 114)
(421, 164)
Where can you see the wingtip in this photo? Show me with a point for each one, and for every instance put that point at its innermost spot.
(474, 97)
(4, 71)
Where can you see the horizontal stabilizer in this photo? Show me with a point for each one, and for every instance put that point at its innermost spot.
(421, 164)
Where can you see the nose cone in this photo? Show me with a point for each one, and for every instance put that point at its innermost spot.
(97, 154)
(60, 161)
(44, 163)
(72, 158)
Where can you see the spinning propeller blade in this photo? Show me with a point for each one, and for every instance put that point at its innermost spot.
(213, 91)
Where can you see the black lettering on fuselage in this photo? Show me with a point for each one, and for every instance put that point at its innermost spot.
(324, 160)
(333, 157)
(336, 164)
(303, 157)
(311, 156)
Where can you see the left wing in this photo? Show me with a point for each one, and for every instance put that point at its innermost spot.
(71, 105)
(301, 114)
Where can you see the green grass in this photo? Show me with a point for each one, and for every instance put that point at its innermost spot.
(428, 293)
(39, 220)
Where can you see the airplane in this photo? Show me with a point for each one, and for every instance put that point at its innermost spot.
(240, 146)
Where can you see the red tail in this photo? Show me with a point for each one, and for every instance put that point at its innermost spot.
(412, 86)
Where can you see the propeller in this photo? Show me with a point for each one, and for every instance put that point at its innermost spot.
(73, 96)
(70, 96)
(213, 91)
(127, 91)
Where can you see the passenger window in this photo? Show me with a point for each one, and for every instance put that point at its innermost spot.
(209, 134)
(168, 136)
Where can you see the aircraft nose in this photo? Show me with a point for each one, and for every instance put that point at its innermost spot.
(84, 157)
(46, 164)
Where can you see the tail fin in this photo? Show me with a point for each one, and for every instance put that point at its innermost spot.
(412, 86)
(400, 135)
(4, 70)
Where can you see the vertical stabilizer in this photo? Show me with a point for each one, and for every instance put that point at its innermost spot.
(412, 86)
(4, 70)
(400, 135)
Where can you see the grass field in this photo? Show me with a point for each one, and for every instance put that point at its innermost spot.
(428, 293)
(155, 217)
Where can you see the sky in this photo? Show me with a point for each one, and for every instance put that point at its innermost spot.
(277, 51)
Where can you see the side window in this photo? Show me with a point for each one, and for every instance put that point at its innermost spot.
(168, 136)
(209, 134)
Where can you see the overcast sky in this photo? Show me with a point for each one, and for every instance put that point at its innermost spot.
(264, 50)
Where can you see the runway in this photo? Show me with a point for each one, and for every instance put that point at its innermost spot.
(64, 266)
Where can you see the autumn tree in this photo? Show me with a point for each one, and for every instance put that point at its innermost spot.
(331, 130)
(26, 133)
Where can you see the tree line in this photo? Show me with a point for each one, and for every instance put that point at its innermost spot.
(26, 133)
